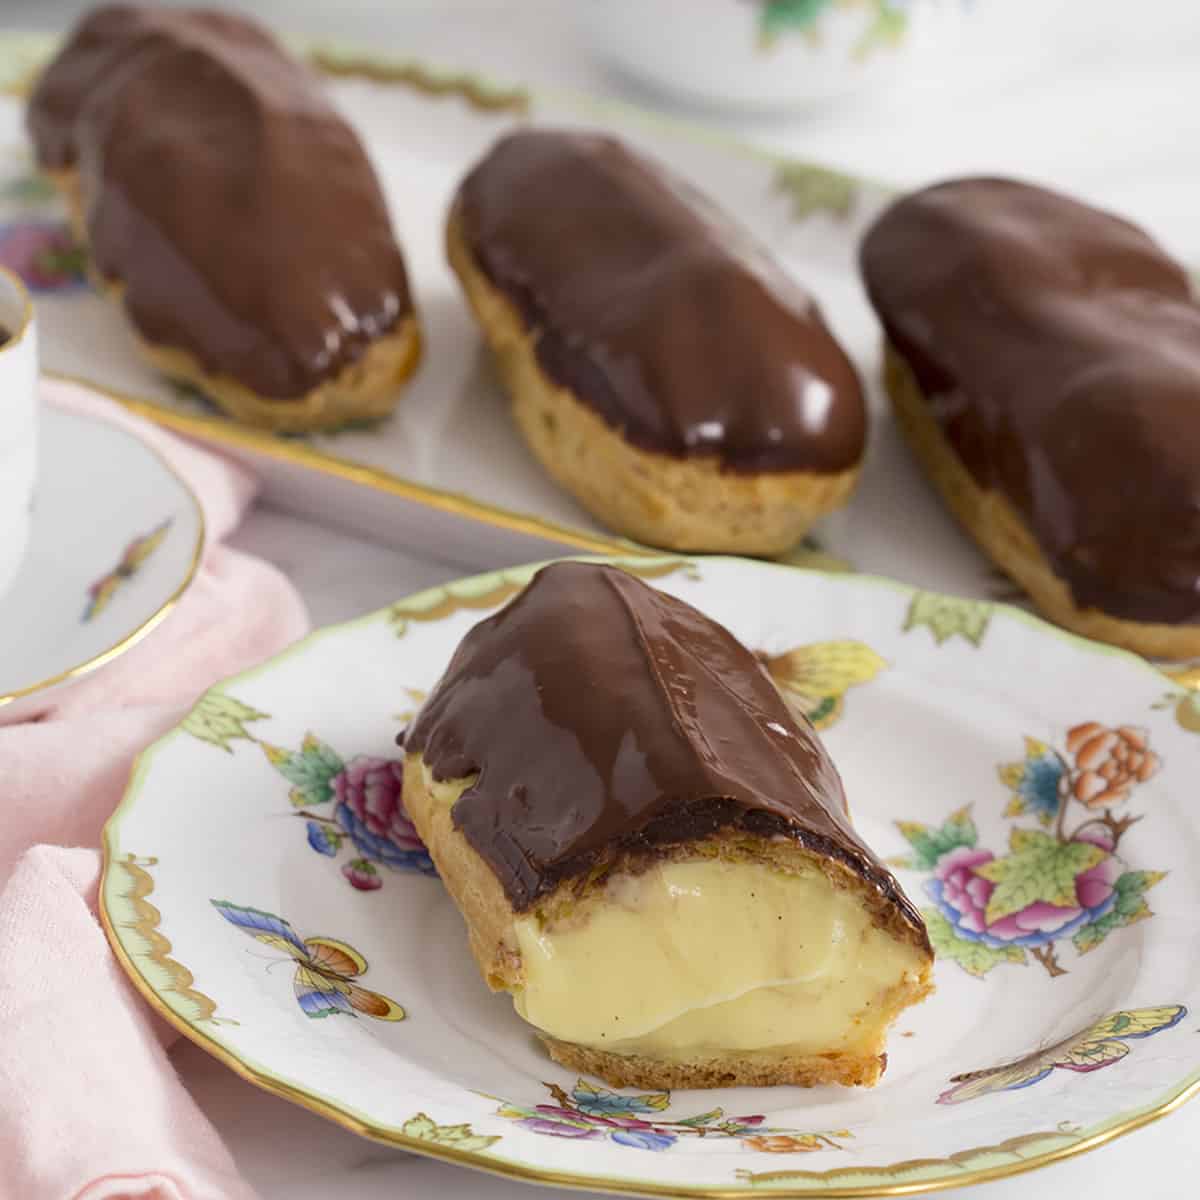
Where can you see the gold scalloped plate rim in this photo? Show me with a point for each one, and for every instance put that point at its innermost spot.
(472, 591)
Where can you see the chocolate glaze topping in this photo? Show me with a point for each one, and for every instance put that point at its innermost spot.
(605, 718)
(656, 310)
(223, 191)
(1058, 348)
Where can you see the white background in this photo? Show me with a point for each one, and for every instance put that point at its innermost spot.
(1106, 105)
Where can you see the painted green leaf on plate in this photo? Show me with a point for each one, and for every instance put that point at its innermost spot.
(219, 719)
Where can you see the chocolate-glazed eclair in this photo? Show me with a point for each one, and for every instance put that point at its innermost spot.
(651, 853)
(1043, 358)
(233, 213)
(661, 366)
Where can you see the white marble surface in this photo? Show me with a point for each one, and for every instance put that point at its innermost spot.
(1105, 103)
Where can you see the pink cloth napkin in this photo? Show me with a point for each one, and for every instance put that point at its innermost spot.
(90, 1106)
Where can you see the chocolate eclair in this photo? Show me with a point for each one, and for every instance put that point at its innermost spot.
(661, 366)
(651, 853)
(1043, 358)
(233, 213)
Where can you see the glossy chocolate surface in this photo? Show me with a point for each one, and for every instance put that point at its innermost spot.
(657, 311)
(1058, 348)
(605, 717)
(223, 191)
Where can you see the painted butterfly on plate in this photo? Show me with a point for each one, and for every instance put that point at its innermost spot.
(1099, 1045)
(132, 560)
(325, 968)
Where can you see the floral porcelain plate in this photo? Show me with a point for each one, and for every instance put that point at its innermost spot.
(1035, 792)
(115, 539)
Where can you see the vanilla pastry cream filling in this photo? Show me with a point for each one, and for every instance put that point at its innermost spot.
(711, 955)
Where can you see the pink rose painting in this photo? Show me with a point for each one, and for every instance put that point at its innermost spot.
(1056, 881)
(355, 805)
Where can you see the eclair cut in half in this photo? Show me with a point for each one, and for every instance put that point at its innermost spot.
(651, 853)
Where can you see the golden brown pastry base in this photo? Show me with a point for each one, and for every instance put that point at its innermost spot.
(489, 918)
(635, 1070)
(686, 504)
(365, 390)
(1003, 535)
(727, 1070)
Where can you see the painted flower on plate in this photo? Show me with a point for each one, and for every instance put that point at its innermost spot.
(563, 1129)
(355, 805)
(1071, 884)
(558, 1121)
(1109, 762)
(592, 1113)
(369, 809)
(794, 1143)
(362, 874)
(1061, 878)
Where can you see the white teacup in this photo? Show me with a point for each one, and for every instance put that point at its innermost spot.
(18, 423)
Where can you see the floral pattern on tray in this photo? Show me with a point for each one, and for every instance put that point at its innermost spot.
(44, 253)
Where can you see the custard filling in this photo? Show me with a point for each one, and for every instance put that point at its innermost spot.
(694, 957)
(710, 956)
